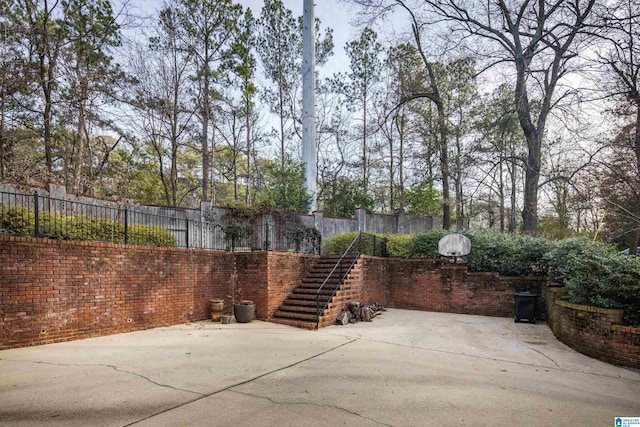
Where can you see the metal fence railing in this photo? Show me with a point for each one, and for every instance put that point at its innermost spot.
(41, 216)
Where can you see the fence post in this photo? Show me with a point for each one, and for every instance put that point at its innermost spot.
(374, 245)
(126, 225)
(186, 232)
(266, 236)
(36, 214)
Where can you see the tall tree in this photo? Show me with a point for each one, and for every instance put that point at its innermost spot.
(206, 30)
(365, 73)
(15, 81)
(460, 94)
(540, 40)
(621, 58)
(92, 32)
(501, 148)
(406, 76)
(161, 97)
(278, 45)
(46, 36)
(432, 92)
(243, 64)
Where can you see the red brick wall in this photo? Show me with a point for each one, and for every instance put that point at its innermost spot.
(431, 285)
(53, 291)
(251, 280)
(593, 331)
(375, 276)
(58, 291)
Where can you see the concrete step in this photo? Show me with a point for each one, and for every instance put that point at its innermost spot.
(299, 308)
(295, 323)
(294, 315)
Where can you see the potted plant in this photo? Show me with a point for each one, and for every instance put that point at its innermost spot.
(244, 311)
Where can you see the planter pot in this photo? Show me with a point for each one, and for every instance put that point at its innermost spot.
(244, 312)
(216, 306)
(226, 319)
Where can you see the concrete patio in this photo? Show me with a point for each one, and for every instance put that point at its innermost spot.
(406, 368)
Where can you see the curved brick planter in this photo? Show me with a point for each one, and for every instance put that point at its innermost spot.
(596, 332)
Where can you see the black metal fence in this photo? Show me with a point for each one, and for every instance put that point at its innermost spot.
(36, 215)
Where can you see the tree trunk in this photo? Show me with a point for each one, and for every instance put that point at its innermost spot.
(444, 166)
(458, 180)
(3, 142)
(401, 163)
(637, 138)
(501, 194)
(364, 144)
(205, 137)
(391, 186)
(248, 130)
(281, 107)
(512, 212)
(531, 181)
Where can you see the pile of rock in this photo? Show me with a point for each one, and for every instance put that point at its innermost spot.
(357, 312)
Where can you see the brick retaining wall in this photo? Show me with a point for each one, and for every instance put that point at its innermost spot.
(596, 332)
(53, 291)
(434, 285)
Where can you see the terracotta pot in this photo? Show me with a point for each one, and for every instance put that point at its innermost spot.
(216, 306)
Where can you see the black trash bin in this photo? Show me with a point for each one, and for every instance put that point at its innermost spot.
(525, 306)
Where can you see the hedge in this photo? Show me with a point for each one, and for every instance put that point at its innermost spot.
(56, 225)
(509, 255)
(596, 274)
(372, 244)
(495, 252)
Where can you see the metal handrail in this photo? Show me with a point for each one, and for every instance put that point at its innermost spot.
(342, 276)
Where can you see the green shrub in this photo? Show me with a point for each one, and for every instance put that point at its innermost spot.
(16, 220)
(372, 244)
(400, 245)
(425, 245)
(149, 235)
(595, 274)
(510, 255)
(336, 245)
(57, 225)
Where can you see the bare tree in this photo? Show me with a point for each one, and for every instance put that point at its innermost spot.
(539, 39)
(621, 58)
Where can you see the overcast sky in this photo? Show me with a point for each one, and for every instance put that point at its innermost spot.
(337, 14)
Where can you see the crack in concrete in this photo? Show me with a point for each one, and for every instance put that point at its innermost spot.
(203, 396)
(494, 359)
(318, 405)
(102, 365)
(541, 353)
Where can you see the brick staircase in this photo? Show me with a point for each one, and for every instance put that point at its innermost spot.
(299, 308)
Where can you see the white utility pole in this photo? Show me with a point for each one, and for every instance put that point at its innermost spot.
(309, 102)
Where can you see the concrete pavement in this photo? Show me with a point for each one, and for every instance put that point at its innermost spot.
(406, 368)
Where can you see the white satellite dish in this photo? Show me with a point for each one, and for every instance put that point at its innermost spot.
(454, 245)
